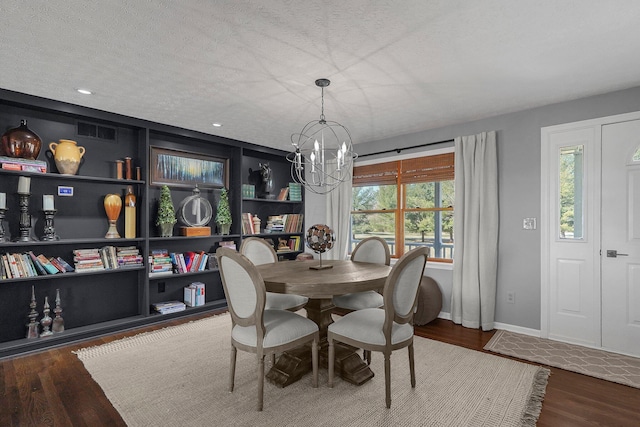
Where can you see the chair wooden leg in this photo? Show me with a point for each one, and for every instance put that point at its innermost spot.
(367, 356)
(412, 368)
(260, 381)
(314, 362)
(331, 356)
(387, 378)
(273, 359)
(232, 372)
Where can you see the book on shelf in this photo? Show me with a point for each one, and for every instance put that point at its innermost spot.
(86, 260)
(248, 191)
(160, 261)
(294, 243)
(167, 307)
(65, 264)
(284, 192)
(128, 257)
(20, 164)
(57, 264)
(194, 294)
(295, 191)
(247, 224)
(51, 269)
(228, 244)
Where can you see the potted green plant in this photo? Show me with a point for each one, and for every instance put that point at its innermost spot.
(223, 213)
(166, 213)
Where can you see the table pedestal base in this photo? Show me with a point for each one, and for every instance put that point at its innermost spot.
(293, 364)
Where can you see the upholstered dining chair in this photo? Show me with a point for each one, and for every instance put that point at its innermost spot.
(389, 328)
(260, 252)
(254, 328)
(372, 249)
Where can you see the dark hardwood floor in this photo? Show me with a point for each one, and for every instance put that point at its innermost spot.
(52, 388)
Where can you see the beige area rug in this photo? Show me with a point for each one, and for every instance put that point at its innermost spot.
(179, 376)
(583, 360)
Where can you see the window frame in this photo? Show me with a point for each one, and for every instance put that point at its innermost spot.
(401, 208)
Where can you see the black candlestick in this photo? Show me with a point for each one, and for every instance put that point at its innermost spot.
(3, 238)
(49, 230)
(25, 218)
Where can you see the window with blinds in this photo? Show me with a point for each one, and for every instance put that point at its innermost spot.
(407, 202)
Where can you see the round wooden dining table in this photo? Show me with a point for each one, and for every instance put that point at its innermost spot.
(320, 286)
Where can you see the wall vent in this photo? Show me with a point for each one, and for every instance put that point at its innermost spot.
(93, 130)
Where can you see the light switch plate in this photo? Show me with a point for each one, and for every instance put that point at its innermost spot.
(529, 224)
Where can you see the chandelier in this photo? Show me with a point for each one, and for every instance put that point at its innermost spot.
(323, 153)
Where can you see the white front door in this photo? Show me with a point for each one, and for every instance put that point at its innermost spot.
(570, 229)
(620, 234)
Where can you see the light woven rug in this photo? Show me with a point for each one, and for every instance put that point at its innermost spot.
(583, 360)
(179, 376)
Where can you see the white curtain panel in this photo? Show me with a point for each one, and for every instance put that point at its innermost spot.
(339, 218)
(476, 219)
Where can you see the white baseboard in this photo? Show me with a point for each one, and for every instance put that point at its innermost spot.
(503, 326)
(518, 329)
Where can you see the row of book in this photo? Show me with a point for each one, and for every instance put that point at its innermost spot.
(106, 258)
(162, 262)
(18, 265)
(248, 191)
(249, 224)
(287, 223)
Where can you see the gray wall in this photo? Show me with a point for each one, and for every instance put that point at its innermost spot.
(519, 193)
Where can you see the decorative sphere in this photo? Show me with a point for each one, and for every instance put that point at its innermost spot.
(320, 238)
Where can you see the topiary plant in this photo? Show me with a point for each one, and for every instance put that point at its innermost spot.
(166, 213)
(223, 213)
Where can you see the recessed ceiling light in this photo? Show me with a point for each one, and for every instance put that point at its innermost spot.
(85, 91)
(217, 125)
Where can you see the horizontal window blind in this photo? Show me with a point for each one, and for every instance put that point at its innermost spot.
(423, 169)
(428, 169)
(376, 174)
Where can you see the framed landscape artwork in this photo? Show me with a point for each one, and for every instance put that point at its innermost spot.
(185, 169)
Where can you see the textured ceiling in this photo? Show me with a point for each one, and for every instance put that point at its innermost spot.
(396, 67)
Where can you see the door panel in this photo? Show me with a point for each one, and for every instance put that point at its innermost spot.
(621, 233)
(573, 237)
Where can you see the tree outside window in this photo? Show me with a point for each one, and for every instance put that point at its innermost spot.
(409, 205)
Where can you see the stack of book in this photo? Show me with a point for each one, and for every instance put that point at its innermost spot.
(169, 307)
(194, 294)
(295, 191)
(160, 262)
(128, 257)
(228, 244)
(275, 224)
(19, 164)
(86, 260)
